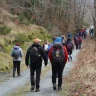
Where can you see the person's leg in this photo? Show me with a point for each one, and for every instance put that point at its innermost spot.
(32, 70)
(76, 46)
(60, 73)
(18, 68)
(14, 68)
(71, 54)
(68, 55)
(54, 72)
(38, 73)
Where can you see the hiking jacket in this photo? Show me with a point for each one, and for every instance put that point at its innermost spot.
(21, 53)
(28, 59)
(65, 52)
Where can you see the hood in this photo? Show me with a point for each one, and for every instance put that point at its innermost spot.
(58, 39)
(16, 47)
(36, 45)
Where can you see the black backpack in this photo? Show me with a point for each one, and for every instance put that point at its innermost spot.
(34, 54)
(57, 53)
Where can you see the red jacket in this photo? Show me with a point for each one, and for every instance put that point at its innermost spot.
(65, 52)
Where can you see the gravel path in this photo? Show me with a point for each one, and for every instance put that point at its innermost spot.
(46, 83)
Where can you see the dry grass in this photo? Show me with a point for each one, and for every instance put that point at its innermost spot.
(82, 79)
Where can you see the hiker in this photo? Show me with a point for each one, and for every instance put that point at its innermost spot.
(63, 40)
(80, 33)
(58, 57)
(79, 42)
(33, 59)
(45, 47)
(50, 45)
(84, 34)
(92, 32)
(76, 41)
(17, 56)
(70, 47)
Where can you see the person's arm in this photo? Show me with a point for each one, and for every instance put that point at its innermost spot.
(27, 58)
(21, 52)
(50, 55)
(66, 54)
(43, 54)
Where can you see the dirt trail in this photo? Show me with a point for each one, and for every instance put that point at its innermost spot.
(46, 85)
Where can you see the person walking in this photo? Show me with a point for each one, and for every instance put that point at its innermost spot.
(45, 47)
(63, 40)
(76, 41)
(70, 47)
(58, 57)
(33, 59)
(17, 57)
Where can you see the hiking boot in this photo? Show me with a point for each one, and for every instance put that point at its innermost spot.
(37, 90)
(54, 86)
(59, 88)
(32, 88)
(71, 57)
(18, 75)
(13, 75)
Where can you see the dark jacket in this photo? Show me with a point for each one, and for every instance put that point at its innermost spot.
(38, 64)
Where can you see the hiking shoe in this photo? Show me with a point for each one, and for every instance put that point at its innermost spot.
(32, 88)
(59, 88)
(13, 75)
(37, 90)
(19, 75)
(54, 86)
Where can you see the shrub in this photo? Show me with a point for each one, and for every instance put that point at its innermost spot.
(21, 38)
(4, 30)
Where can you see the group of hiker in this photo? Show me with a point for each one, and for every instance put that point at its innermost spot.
(58, 52)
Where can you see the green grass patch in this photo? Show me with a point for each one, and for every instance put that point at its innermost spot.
(4, 30)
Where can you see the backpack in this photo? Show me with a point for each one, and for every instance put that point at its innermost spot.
(76, 40)
(16, 53)
(57, 53)
(34, 54)
(69, 45)
(80, 39)
(46, 47)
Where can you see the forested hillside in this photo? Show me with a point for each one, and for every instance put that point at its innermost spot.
(58, 16)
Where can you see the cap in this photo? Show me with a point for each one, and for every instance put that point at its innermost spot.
(37, 40)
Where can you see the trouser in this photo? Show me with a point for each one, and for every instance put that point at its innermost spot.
(16, 65)
(69, 52)
(76, 46)
(38, 73)
(57, 68)
(79, 46)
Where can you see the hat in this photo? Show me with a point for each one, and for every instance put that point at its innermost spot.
(58, 39)
(37, 40)
(17, 44)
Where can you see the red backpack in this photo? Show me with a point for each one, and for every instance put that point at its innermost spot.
(69, 46)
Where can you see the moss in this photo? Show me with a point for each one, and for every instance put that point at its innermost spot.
(21, 38)
(25, 41)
